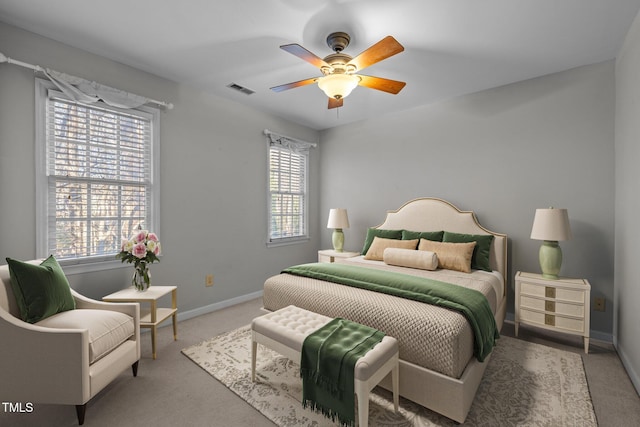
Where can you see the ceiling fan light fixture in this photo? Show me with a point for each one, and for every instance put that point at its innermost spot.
(339, 69)
(338, 86)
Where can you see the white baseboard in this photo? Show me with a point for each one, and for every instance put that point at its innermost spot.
(601, 336)
(184, 315)
(628, 366)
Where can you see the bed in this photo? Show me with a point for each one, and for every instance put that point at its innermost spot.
(438, 368)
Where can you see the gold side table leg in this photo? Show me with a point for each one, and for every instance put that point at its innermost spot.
(174, 305)
(153, 328)
(175, 327)
(153, 342)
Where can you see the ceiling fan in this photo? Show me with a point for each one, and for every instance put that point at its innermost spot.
(339, 69)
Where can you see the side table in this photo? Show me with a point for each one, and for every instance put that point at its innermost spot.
(330, 255)
(154, 315)
(560, 305)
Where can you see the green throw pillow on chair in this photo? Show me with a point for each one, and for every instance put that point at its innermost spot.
(40, 290)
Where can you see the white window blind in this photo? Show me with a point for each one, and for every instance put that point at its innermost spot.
(288, 199)
(99, 178)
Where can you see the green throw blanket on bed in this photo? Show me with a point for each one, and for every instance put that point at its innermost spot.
(327, 363)
(471, 303)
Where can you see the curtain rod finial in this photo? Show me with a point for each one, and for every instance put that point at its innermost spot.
(3, 58)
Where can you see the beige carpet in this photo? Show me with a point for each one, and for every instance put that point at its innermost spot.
(525, 384)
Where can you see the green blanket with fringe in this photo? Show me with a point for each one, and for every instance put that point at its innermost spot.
(327, 364)
(469, 302)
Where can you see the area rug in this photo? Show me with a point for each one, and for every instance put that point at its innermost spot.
(525, 384)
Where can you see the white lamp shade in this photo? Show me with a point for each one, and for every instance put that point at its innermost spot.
(551, 224)
(338, 218)
(338, 86)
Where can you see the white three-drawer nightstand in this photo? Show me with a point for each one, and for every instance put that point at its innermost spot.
(329, 255)
(559, 305)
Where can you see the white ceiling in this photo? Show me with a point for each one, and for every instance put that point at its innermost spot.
(452, 47)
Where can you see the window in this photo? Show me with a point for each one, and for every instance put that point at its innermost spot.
(96, 180)
(288, 199)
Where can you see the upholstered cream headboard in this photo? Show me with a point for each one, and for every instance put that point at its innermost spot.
(431, 214)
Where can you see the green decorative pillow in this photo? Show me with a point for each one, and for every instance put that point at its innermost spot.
(480, 259)
(384, 234)
(40, 290)
(435, 236)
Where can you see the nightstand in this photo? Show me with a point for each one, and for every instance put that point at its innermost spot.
(560, 305)
(329, 255)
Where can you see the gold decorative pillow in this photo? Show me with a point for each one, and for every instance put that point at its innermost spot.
(451, 256)
(379, 244)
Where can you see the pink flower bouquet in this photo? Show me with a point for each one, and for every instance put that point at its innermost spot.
(141, 249)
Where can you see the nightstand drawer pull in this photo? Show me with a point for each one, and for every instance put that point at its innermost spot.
(549, 292)
(550, 306)
(549, 319)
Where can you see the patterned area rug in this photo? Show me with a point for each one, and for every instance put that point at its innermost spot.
(525, 384)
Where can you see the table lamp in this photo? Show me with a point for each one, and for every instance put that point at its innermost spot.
(550, 225)
(338, 220)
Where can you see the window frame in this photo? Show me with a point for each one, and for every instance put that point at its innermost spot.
(304, 237)
(44, 91)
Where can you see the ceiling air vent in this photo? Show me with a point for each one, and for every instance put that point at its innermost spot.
(242, 89)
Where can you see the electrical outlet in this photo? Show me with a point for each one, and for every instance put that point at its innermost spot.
(598, 304)
(209, 280)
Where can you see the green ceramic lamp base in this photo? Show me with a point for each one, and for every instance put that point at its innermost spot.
(550, 259)
(337, 238)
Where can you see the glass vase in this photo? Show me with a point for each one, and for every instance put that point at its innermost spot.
(141, 278)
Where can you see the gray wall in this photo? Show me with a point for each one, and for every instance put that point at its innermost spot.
(627, 233)
(502, 153)
(213, 178)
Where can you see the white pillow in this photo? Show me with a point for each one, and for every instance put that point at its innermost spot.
(423, 260)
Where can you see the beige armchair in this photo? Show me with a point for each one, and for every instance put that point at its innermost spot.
(66, 358)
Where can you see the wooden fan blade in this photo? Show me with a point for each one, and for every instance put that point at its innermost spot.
(385, 85)
(300, 52)
(294, 84)
(385, 48)
(335, 103)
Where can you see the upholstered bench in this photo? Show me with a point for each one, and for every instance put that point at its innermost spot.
(284, 331)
